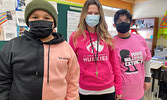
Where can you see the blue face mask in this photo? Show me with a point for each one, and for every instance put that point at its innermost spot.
(92, 20)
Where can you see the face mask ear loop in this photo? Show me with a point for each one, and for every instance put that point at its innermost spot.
(52, 29)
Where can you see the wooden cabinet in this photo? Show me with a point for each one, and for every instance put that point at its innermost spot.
(148, 28)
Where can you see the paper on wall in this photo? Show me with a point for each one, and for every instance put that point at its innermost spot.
(20, 5)
(11, 18)
(21, 29)
(9, 32)
(20, 18)
(72, 22)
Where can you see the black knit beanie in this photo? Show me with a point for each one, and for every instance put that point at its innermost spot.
(40, 5)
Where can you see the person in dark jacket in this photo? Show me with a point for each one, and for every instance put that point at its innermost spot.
(40, 65)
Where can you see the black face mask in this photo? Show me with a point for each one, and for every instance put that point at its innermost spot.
(123, 27)
(41, 28)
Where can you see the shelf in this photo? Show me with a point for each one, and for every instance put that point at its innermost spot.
(142, 28)
(151, 29)
(148, 39)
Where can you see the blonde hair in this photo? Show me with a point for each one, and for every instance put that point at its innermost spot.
(101, 28)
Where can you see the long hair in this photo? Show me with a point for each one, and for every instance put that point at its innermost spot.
(101, 28)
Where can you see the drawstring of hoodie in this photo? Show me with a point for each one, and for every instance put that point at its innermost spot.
(48, 64)
(37, 71)
(37, 60)
(58, 38)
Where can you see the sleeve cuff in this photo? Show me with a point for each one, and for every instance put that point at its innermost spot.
(118, 92)
(147, 79)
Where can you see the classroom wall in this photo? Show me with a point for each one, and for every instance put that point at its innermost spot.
(151, 8)
(111, 3)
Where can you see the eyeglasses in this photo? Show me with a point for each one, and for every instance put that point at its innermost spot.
(120, 21)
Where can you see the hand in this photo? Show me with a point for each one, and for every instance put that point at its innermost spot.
(118, 97)
(147, 85)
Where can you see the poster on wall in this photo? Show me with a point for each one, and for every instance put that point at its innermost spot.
(20, 18)
(9, 32)
(9, 15)
(21, 29)
(20, 5)
(10, 18)
(72, 22)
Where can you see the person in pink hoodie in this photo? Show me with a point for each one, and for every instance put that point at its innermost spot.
(134, 57)
(100, 76)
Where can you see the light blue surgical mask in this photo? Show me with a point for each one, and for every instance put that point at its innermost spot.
(92, 20)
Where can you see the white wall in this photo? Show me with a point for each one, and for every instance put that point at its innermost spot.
(151, 8)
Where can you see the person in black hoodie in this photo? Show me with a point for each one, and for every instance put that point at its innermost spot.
(40, 65)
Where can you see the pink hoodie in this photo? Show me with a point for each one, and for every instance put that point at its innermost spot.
(107, 64)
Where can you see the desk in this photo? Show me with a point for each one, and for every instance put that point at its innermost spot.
(155, 65)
